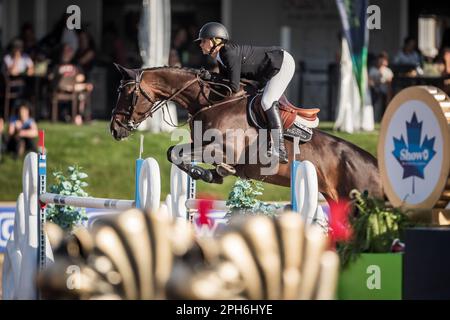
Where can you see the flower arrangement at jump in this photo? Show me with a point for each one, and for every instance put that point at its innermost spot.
(243, 199)
(68, 217)
(371, 249)
(375, 228)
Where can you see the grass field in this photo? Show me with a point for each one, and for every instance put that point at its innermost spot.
(110, 164)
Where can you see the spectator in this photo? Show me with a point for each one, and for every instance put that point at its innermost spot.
(180, 44)
(70, 38)
(65, 72)
(444, 61)
(16, 62)
(68, 77)
(410, 56)
(174, 59)
(380, 80)
(22, 131)
(85, 55)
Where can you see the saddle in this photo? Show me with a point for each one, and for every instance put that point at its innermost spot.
(297, 122)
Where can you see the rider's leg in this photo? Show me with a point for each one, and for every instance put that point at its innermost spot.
(276, 131)
(269, 101)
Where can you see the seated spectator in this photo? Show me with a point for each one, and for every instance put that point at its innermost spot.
(443, 63)
(85, 55)
(68, 77)
(22, 131)
(409, 56)
(16, 62)
(380, 80)
(443, 60)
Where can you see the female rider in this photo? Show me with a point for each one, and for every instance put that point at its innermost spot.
(272, 67)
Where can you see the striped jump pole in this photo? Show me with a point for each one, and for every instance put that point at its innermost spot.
(84, 202)
(87, 202)
(147, 189)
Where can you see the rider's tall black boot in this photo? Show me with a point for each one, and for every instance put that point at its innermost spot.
(273, 116)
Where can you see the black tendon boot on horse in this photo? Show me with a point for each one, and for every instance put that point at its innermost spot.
(276, 126)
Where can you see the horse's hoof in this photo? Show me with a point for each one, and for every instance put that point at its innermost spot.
(207, 176)
(284, 159)
(200, 173)
(195, 173)
(224, 170)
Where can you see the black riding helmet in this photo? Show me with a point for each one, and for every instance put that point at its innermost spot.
(212, 30)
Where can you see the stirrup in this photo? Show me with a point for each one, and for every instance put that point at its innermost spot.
(276, 153)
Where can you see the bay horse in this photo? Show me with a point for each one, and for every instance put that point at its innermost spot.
(341, 166)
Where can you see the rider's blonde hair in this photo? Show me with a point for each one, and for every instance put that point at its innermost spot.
(217, 41)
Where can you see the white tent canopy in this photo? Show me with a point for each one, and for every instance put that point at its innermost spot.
(350, 116)
(154, 44)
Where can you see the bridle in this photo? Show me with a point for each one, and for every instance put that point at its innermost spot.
(132, 124)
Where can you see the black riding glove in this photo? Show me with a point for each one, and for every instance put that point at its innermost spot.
(205, 74)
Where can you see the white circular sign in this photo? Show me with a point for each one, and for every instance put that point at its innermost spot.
(413, 151)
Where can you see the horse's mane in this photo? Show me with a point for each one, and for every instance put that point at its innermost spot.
(173, 68)
(251, 85)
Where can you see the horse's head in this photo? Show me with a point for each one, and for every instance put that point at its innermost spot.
(133, 103)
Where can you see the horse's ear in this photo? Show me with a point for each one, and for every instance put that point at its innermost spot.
(126, 73)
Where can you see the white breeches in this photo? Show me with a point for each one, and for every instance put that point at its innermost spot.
(277, 85)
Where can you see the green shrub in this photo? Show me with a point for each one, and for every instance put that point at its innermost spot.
(68, 217)
(242, 199)
(374, 227)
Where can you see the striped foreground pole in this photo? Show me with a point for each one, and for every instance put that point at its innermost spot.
(192, 204)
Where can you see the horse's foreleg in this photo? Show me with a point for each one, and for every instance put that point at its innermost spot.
(185, 155)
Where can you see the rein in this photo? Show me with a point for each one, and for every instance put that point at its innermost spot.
(191, 118)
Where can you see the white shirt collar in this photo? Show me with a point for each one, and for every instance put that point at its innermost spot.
(220, 60)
